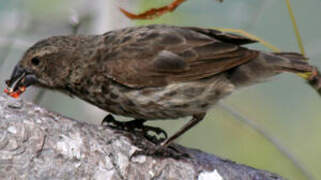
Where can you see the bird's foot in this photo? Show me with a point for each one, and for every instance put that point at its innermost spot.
(153, 134)
(111, 122)
(160, 151)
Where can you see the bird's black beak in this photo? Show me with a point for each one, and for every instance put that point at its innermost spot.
(20, 79)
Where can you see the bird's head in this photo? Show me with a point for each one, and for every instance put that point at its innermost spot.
(44, 64)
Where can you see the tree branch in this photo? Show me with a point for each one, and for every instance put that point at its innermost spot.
(38, 144)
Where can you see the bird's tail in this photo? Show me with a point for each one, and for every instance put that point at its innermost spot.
(298, 65)
(293, 62)
(267, 65)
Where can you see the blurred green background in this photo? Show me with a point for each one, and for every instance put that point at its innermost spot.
(286, 108)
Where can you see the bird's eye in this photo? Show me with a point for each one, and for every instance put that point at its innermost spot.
(35, 61)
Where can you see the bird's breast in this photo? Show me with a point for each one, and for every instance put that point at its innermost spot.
(168, 102)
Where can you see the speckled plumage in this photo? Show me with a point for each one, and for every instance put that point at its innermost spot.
(155, 71)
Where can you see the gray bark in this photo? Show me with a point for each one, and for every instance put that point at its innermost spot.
(39, 144)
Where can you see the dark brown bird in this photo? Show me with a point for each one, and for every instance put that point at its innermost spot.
(150, 72)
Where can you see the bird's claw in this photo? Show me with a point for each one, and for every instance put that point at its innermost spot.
(153, 134)
(161, 151)
(157, 138)
(109, 121)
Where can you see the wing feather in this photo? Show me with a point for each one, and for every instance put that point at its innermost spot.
(158, 55)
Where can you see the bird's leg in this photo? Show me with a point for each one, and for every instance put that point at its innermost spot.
(153, 134)
(164, 149)
(195, 120)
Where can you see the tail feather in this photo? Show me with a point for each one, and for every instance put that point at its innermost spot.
(292, 55)
(297, 62)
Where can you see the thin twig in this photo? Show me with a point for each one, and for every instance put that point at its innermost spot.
(295, 27)
(251, 36)
(314, 78)
(251, 123)
(154, 12)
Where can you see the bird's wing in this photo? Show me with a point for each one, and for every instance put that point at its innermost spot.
(158, 55)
